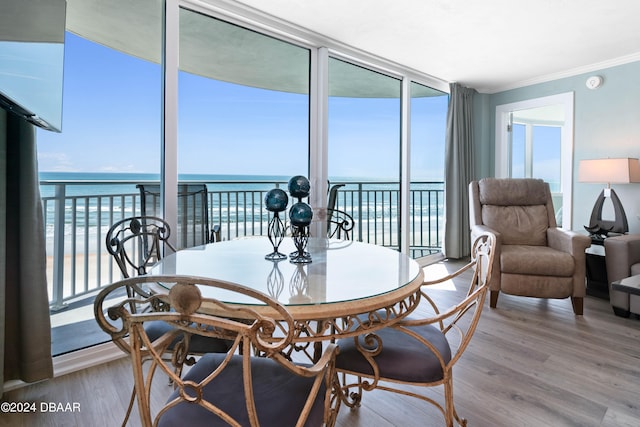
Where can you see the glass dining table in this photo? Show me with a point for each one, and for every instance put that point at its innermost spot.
(349, 288)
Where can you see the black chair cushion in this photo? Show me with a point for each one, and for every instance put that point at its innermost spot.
(197, 345)
(279, 395)
(402, 357)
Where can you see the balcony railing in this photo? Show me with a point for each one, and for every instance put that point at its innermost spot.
(78, 214)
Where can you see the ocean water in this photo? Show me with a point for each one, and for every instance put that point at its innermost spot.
(116, 183)
(93, 201)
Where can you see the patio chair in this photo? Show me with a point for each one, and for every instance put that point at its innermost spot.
(137, 243)
(193, 213)
(234, 388)
(421, 350)
(339, 223)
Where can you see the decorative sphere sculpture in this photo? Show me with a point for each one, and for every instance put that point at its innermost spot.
(300, 214)
(299, 186)
(276, 200)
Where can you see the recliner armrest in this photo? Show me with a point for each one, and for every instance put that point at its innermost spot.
(568, 241)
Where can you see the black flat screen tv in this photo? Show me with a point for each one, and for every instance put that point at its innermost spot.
(31, 60)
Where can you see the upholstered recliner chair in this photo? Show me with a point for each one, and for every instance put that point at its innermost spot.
(534, 257)
(623, 260)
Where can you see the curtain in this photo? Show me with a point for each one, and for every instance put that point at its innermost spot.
(459, 171)
(25, 327)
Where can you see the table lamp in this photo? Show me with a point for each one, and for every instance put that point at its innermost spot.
(608, 171)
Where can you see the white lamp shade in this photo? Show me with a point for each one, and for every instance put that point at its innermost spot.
(609, 171)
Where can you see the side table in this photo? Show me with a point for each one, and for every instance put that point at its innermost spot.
(596, 269)
(630, 285)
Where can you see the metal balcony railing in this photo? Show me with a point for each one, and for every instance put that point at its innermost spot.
(78, 214)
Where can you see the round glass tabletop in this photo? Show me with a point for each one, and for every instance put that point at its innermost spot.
(340, 271)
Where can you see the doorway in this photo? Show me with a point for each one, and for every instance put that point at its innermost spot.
(534, 139)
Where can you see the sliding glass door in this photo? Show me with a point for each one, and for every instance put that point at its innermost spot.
(427, 144)
(364, 149)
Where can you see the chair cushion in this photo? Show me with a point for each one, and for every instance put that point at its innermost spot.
(279, 395)
(197, 345)
(518, 225)
(402, 357)
(536, 260)
(509, 192)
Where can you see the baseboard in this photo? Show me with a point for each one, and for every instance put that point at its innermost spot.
(76, 361)
(430, 259)
(86, 358)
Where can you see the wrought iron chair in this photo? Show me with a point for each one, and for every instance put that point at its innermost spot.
(234, 388)
(136, 243)
(193, 213)
(420, 351)
(339, 223)
(333, 195)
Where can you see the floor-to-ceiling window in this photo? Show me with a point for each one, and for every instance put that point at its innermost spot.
(243, 114)
(243, 118)
(426, 198)
(364, 149)
(110, 140)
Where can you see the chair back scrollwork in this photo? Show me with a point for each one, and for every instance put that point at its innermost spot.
(421, 351)
(232, 388)
(339, 225)
(138, 242)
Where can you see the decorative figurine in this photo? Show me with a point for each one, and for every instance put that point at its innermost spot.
(299, 187)
(300, 216)
(276, 201)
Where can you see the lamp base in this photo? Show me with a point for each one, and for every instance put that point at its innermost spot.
(599, 226)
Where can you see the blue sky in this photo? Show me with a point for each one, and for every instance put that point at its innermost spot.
(111, 123)
(545, 153)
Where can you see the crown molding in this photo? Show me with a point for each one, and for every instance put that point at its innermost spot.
(622, 60)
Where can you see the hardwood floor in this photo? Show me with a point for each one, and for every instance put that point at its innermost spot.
(530, 363)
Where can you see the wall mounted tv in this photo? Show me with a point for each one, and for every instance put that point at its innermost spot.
(31, 60)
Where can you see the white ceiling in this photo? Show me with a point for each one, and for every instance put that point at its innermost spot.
(490, 45)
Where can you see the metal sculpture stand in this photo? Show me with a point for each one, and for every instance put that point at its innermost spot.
(275, 232)
(300, 237)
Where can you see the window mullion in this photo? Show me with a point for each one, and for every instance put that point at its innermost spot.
(169, 138)
(318, 141)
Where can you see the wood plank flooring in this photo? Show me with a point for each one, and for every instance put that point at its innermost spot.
(530, 363)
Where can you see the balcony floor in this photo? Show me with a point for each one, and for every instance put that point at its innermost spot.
(75, 327)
